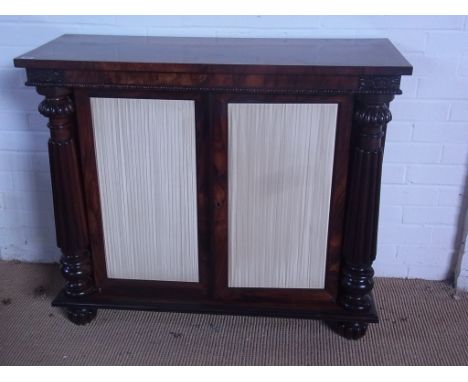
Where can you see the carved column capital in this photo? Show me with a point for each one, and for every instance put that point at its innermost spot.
(371, 115)
(377, 115)
(56, 107)
(59, 108)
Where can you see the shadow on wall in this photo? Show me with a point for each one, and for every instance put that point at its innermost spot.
(27, 225)
(459, 257)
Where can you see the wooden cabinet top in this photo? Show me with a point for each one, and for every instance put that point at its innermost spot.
(353, 57)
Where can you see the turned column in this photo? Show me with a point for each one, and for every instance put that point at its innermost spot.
(70, 218)
(371, 115)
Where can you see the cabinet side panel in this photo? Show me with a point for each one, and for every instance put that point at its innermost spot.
(145, 154)
(280, 166)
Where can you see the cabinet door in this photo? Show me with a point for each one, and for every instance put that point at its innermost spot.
(140, 162)
(282, 196)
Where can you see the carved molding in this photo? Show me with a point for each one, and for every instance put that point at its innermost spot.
(77, 269)
(356, 283)
(46, 76)
(378, 85)
(389, 84)
(171, 88)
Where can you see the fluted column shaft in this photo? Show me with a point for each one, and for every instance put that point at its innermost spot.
(70, 218)
(371, 116)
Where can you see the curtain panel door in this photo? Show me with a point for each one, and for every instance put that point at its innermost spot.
(145, 181)
(279, 200)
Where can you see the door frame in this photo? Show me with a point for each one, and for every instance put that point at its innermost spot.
(220, 176)
(130, 287)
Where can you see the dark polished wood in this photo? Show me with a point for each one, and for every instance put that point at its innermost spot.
(360, 243)
(371, 116)
(337, 203)
(207, 55)
(352, 330)
(329, 311)
(361, 76)
(91, 186)
(72, 232)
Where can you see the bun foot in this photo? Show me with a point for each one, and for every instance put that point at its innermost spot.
(81, 316)
(349, 329)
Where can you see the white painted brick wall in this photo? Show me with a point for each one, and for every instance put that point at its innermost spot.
(424, 171)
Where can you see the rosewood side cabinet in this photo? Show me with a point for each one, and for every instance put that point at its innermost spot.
(216, 175)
